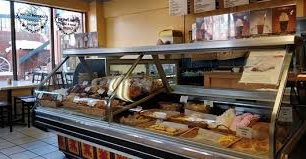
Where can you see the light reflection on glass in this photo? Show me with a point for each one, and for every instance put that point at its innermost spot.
(189, 149)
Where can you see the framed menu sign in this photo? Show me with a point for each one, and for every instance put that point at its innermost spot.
(32, 18)
(178, 7)
(232, 3)
(204, 5)
(67, 24)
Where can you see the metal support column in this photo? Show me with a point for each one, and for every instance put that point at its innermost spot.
(161, 73)
(112, 96)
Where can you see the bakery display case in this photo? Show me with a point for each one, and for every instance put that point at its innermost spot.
(135, 115)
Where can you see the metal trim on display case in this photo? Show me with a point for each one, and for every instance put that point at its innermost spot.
(112, 95)
(52, 72)
(259, 42)
(266, 96)
(147, 141)
(277, 104)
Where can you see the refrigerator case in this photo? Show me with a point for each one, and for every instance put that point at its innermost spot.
(171, 121)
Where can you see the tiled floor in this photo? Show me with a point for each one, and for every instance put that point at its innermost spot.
(28, 143)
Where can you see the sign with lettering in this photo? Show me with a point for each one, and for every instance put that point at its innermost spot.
(285, 114)
(184, 99)
(178, 7)
(32, 18)
(245, 132)
(67, 24)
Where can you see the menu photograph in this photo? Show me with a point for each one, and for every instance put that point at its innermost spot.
(284, 20)
(261, 22)
(240, 25)
(263, 67)
(220, 27)
(207, 26)
(204, 5)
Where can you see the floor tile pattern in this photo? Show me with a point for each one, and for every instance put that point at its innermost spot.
(28, 143)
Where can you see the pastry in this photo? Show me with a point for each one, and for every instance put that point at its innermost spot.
(198, 107)
(170, 106)
(243, 120)
(134, 120)
(244, 145)
(160, 114)
(252, 145)
(261, 130)
(225, 119)
(261, 145)
(163, 128)
(226, 141)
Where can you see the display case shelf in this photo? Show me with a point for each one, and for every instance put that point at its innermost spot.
(207, 46)
(265, 96)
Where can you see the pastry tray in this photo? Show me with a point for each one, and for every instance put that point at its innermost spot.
(181, 127)
(159, 113)
(187, 120)
(206, 136)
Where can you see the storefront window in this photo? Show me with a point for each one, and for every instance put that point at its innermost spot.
(32, 40)
(6, 67)
(67, 23)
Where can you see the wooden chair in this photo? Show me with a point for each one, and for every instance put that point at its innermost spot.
(69, 79)
(4, 106)
(59, 80)
(27, 102)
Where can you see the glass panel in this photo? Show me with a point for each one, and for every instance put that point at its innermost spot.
(6, 67)
(76, 92)
(32, 40)
(67, 23)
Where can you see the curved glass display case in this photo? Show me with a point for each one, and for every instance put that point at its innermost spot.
(138, 115)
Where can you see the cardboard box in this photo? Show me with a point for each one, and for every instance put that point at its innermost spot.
(261, 22)
(171, 36)
(284, 20)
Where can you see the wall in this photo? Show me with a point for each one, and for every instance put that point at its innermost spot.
(77, 5)
(138, 22)
(96, 21)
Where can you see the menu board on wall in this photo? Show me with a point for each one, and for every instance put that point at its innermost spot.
(232, 3)
(204, 5)
(263, 67)
(178, 7)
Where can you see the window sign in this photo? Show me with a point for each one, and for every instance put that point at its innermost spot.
(32, 18)
(67, 24)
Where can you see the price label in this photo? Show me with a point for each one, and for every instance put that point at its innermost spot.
(285, 114)
(209, 103)
(183, 99)
(85, 83)
(59, 97)
(101, 91)
(40, 95)
(87, 89)
(245, 132)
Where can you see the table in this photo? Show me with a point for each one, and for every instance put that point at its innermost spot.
(4, 86)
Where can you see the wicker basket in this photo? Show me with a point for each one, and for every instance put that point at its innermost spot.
(49, 103)
(84, 109)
